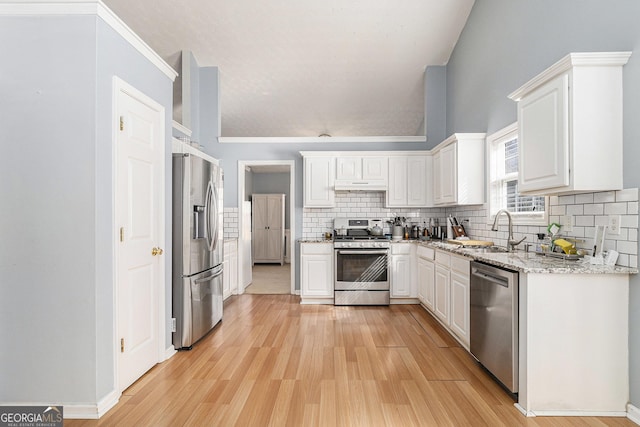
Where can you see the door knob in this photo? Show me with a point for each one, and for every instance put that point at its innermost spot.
(156, 251)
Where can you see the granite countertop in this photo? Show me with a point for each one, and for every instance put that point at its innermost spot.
(529, 262)
(318, 240)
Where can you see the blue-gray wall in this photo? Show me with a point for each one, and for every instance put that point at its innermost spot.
(505, 43)
(56, 255)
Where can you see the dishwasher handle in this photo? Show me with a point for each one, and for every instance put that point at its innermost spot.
(502, 281)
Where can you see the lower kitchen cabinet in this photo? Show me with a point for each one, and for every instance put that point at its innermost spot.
(460, 297)
(230, 269)
(316, 273)
(426, 276)
(401, 266)
(444, 289)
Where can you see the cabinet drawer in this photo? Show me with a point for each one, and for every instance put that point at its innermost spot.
(427, 253)
(460, 265)
(443, 258)
(400, 248)
(316, 248)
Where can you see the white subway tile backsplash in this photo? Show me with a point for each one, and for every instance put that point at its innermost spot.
(627, 195)
(615, 208)
(594, 209)
(588, 210)
(575, 209)
(604, 197)
(584, 198)
(566, 200)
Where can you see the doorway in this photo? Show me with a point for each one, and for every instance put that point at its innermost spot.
(268, 277)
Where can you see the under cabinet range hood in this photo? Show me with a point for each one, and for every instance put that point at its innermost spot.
(360, 185)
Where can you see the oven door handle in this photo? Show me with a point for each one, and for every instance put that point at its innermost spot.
(363, 252)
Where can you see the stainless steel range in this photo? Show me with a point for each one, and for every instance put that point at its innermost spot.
(361, 262)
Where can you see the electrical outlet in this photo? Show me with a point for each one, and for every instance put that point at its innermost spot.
(613, 227)
(567, 222)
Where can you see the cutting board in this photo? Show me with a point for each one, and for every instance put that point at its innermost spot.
(471, 242)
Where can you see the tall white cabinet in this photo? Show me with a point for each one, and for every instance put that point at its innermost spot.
(268, 228)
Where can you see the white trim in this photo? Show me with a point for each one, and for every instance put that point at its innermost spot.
(169, 352)
(316, 301)
(403, 301)
(519, 218)
(92, 412)
(522, 410)
(181, 128)
(88, 7)
(121, 86)
(399, 153)
(566, 63)
(621, 414)
(242, 165)
(319, 139)
(633, 413)
(178, 146)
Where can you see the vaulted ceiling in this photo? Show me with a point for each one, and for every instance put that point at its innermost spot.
(301, 68)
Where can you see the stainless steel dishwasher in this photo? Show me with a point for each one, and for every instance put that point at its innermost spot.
(494, 321)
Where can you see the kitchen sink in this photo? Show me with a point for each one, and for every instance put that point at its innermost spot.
(491, 249)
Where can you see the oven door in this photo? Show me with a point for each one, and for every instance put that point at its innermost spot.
(362, 269)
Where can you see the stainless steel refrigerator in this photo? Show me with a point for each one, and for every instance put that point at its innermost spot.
(197, 248)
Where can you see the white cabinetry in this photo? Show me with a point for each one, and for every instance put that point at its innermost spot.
(268, 228)
(408, 181)
(367, 172)
(444, 289)
(319, 178)
(230, 269)
(460, 294)
(426, 276)
(458, 170)
(402, 268)
(570, 125)
(316, 273)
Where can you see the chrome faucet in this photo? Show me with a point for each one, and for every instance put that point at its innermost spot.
(511, 242)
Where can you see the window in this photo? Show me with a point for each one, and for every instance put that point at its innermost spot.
(503, 180)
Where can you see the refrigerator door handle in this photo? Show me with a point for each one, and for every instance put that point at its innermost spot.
(209, 278)
(214, 204)
(207, 216)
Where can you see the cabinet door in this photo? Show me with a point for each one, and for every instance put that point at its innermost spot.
(349, 168)
(437, 179)
(401, 276)
(417, 181)
(397, 192)
(543, 137)
(319, 178)
(441, 297)
(448, 174)
(316, 276)
(375, 168)
(460, 306)
(426, 282)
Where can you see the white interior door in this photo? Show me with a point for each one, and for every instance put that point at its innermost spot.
(140, 151)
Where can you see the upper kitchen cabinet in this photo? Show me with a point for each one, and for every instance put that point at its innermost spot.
(365, 172)
(319, 179)
(408, 180)
(458, 170)
(570, 125)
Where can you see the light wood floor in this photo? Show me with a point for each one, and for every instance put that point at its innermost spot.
(270, 279)
(275, 362)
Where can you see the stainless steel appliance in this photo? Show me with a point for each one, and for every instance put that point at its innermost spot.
(361, 263)
(197, 248)
(494, 321)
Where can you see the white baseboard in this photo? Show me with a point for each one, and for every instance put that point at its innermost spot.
(92, 412)
(394, 301)
(327, 301)
(169, 352)
(633, 413)
(577, 413)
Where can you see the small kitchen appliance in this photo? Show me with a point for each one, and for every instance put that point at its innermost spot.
(361, 263)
